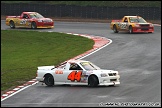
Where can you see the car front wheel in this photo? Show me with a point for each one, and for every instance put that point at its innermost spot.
(130, 29)
(33, 25)
(92, 81)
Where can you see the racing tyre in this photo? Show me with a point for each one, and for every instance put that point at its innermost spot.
(49, 80)
(33, 25)
(12, 24)
(93, 81)
(149, 32)
(130, 29)
(115, 29)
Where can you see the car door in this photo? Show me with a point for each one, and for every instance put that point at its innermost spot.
(24, 20)
(124, 24)
(73, 75)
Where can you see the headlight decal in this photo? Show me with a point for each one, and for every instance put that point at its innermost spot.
(40, 20)
(104, 74)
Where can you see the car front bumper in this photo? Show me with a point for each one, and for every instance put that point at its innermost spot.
(139, 29)
(110, 83)
(111, 80)
(45, 26)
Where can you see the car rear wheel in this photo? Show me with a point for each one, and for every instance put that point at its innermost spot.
(33, 25)
(130, 29)
(115, 29)
(12, 24)
(49, 80)
(92, 81)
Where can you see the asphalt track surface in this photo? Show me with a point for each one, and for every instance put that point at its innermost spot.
(137, 57)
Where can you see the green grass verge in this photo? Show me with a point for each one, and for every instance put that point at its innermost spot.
(23, 51)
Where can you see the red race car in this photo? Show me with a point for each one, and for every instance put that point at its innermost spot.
(29, 20)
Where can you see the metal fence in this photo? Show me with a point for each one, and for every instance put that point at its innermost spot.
(89, 12)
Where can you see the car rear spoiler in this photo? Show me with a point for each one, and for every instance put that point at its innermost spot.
(12, 16)
(116, 20)
(46, 67)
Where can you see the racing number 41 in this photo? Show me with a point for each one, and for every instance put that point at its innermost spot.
(23, 21)
(74, 75)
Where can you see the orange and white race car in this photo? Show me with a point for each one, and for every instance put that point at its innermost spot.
(132, 24)
(29, 20)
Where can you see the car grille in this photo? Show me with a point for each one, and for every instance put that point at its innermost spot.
(144, 29)
(112, 74)
(113, 79)
(46, 21)
(47, 24)
(144, 25)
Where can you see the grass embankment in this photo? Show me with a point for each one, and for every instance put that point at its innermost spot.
(23, 51)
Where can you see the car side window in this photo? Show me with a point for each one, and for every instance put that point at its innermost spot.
(25, 16)
(74, 66)
(130, 19)
(125, 20)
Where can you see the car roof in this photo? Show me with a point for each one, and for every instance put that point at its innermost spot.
(76, 61)
(29, 12)
(132, 16)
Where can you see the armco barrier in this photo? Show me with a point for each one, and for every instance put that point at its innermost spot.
(85, 12)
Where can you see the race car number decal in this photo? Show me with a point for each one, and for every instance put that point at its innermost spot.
(23, 21)
(123, 25)
(74, 75)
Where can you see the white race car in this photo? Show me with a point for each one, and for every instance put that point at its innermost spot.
(77, 72)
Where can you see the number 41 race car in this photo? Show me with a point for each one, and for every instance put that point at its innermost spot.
(77, 72)
(29, 20)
